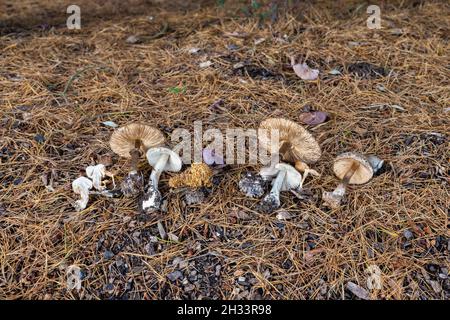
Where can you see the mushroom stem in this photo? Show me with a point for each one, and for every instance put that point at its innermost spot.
(277, 183)
(272, 200)
(285, 146)
(305, 169)
(158, 169)
(135, 154)
(334, 198)
(340, 189)
(83, 201)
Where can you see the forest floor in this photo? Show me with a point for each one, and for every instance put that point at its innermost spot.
(59, 86)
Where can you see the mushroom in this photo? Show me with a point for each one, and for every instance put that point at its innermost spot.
(350, 168)
(96, 174)
(161, 159)
(131, 141)
(198, 175)
(375, 162)
(81, 186)
(297, 145)
(253, 185)
(287, 178)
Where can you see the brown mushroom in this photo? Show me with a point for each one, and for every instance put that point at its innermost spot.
(131, 141)
(350, 168)
(297, 145)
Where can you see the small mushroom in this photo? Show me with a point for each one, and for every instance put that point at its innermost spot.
(297, 145)
(96, 174)
(81, 186)
(198, 175)
(287, 178)
(350, 168)
(253, 185)
(161, 159)
(131, 141)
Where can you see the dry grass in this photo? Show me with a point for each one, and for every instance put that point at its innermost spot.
(40, 234)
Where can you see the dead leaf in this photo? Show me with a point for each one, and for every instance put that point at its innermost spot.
(358, 291)
(313, 118)
(304, 71)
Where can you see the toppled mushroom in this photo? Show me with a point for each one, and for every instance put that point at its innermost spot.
(96, 174)
(297, 145)
(253, 185)
(287, 178)
(198, 175)
(350, 168)
(81, 186)
(131, 141)
(161, 159)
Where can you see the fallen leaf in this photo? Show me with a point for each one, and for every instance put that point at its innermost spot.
(205, 64)
(133, 40)
(313, 118)
(358, 291)
(304, 71)
(260, 40)
(111, 124)
(334, 72)
(284, 215)
(193, 50)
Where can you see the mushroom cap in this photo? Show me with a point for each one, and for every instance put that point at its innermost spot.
(174, 162)
(123, 139)
(344, 162)
(81, 183)
(293, 178)
(303, 146)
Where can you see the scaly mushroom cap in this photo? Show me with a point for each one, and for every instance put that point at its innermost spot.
(123, 139)
(198, 175)
(296, 143)
(344, 162)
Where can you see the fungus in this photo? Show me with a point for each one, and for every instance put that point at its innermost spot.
(198, 175)
(287, 178)
(131, 141)
(81, 186)
(350, 168)
(96, 174)
(296, 144)
(161, 159)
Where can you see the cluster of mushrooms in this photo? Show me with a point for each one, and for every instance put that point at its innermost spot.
(131, 142)
(297, 148)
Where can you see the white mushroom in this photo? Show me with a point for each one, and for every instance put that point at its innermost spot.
(287, 178)
(161, 159)
(81, 186)
(351, 168)
(97, 173)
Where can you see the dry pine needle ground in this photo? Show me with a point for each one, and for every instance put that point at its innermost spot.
(57, 87)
